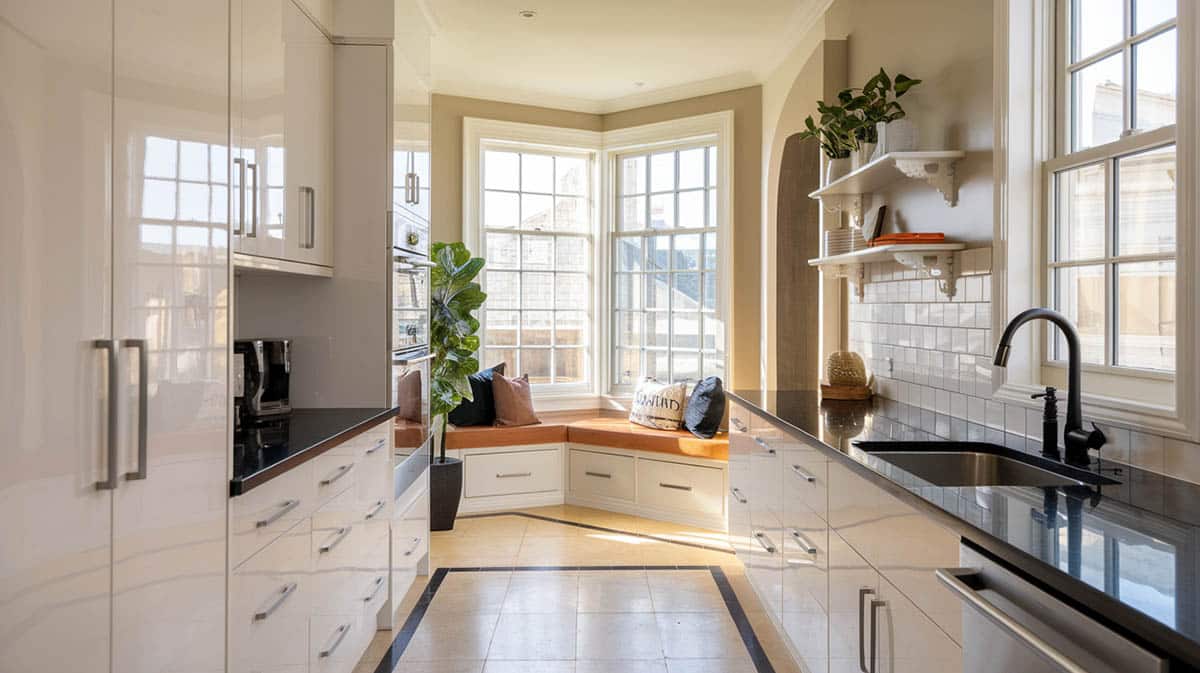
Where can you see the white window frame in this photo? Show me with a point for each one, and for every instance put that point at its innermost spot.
(1027, 125)
(713, 129)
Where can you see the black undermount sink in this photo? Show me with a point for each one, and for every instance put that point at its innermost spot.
(979, 464)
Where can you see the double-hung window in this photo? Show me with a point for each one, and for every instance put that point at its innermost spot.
(538, 226)
(665, 318)
(1111, 193)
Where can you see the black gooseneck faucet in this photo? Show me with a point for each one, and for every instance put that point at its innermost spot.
(1076, 440)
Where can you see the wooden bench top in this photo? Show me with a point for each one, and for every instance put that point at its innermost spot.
(597, 431)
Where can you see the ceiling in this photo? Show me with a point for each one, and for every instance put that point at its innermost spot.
(591, 55)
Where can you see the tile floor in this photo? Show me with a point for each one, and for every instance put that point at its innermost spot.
(486, 617)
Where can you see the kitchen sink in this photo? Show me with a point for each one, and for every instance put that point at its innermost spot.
(979, 464)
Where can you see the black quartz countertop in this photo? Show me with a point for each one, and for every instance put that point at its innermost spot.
(269, 448)
(1128, 554)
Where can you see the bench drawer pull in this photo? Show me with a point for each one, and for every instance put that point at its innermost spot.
(677, 487)
(602, 475)
(510, 475)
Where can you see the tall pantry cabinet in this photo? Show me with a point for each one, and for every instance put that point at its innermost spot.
(114, 257)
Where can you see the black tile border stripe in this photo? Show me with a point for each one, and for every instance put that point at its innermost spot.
(603, 529)
(754, 648)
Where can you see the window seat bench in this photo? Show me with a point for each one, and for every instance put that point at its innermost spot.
(594, 459)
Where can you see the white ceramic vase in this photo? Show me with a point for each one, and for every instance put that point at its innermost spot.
(836, 168)
(897, 136)
(863, 155)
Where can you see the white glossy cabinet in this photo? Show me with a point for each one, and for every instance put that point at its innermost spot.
(282, 163)
(114, 214)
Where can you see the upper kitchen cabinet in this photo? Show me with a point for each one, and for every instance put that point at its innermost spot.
(282, 130)
(410, 156)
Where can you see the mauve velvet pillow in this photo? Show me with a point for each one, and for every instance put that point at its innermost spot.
(514, 400)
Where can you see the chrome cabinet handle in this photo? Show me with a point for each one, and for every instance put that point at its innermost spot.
(338, 635)
(139, 345)
(253, 231)
(677, 487)
(241, 218)
(805, 544)
(282, 595)
(765, 542)
(950, 577)
(875, 605)
(377, 446)
(308, 216)
(410, 186)
(737, 495)
(602, 475)
(416, 542)
(509, 475)
(804, 474)
(284, 507)
(416, 189)
(376, 585)
(862, 622)
(114, 391)
(763, 443)
(737, 424)
(337, 474)
(375, 510)
(335, 540)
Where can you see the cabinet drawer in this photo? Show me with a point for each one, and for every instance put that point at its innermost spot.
(337, 642)
(270, 601)
(739, 418)
(805, 480)
(603, 474)
(678, 486)
(264, 513)
(410, 533)
(333, 473)
(512, 473)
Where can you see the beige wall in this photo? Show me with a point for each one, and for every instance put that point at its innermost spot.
(746, 104)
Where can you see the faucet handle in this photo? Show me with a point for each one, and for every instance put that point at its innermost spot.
(1049, 394)
(1096, 438)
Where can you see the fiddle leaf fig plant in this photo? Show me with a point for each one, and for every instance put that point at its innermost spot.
(454, 295)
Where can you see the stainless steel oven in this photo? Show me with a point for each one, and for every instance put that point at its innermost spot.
(410, 393)
(410, 301)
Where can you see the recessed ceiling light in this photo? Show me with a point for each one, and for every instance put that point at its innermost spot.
(527, 13)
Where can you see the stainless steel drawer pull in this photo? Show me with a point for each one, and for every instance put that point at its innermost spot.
(416, 542)
(282, 595)
(763, 443)
(336, 639)
(602, 475)
(737, 495)
(805, 544)
(114, 393)
(510, 475)
(875, 605)
(139, 345)
(376, 585)
(862, 627)
(335, 539)
(377, 445)
(737, 424)
(375, 509)
(284, 507)
(765, 542)
(677, 487)
(337, 474)
(254, 203)
(804, 474)
(950, 578)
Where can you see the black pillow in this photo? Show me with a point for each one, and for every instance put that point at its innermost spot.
(482, 409)
(705, 408)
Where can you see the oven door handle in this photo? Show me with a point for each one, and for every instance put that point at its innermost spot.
(413, 361)
(415, 261)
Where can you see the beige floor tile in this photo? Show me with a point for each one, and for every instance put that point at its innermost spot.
(743, 665)
(542, 592)
(497, 666)
(439, 667)
(471, 592)
(614, 592)
(474, 551)
(492, 526)
(534, 637)
(618, 636)
(451, 636)
(585, 550)
(685, 591)
(699, 635)
(540, 528)
(621, 666)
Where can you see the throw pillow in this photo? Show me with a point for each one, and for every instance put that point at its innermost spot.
(514, 401)
(658, 405)
(482, 409)
(705, 408)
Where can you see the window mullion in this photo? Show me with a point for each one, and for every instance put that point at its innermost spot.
(1110, 267)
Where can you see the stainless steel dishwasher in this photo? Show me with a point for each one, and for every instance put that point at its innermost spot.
(1011, 625)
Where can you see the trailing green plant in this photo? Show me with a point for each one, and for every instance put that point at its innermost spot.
(835, 131)
(843, 127)
(453, 295)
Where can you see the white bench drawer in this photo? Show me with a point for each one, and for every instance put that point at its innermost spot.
(679, 486)
(270, 601)
(511, 473)
(604, 475)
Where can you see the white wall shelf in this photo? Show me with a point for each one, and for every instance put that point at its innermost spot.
(936, 168)
(933, 260)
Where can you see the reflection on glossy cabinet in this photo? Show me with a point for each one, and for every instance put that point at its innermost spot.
(308, 66)
(805, 549)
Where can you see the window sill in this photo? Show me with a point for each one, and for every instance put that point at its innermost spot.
(1145, 417)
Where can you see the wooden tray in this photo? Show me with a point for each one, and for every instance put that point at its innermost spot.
(845, 392)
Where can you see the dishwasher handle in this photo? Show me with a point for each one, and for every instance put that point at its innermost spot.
(952, 578)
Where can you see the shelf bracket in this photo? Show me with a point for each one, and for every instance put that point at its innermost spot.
(851, 204)
(938, 266)
(939, 173)
(858, 278)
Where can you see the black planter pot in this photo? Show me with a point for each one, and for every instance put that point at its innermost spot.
(445, 492)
